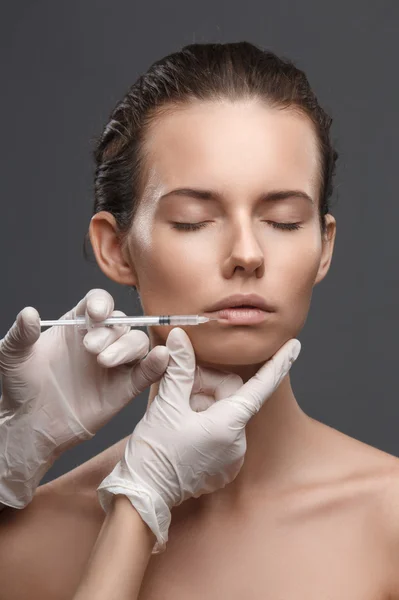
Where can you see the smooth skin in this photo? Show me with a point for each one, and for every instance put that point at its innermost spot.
(313, 513)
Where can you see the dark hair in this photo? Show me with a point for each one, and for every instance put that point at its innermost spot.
(206, 72)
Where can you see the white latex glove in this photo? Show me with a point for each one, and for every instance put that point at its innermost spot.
(59, 388)
(175, 453)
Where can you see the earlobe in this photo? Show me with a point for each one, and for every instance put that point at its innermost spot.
(107, 248)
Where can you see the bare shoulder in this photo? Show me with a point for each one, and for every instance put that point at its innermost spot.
(352, 457)
(387, 520)
(44, 548)
(368, 478)
(374, 470)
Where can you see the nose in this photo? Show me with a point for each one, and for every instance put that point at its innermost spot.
(246, 251)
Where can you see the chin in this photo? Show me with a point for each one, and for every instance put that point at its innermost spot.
(239, 352)
(228, 361)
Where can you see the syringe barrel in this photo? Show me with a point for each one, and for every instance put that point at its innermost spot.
(184, 320)
(142, 321)
(88, 323)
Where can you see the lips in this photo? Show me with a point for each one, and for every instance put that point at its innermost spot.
(241, 300)
(242, 316)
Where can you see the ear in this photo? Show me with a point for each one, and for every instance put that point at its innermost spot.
(107, 247)
(327, 248)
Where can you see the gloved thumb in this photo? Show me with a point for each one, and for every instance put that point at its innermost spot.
(248, 399)
(17, 344)
(177, 383)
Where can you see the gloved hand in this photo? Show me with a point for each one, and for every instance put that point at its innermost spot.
(175, 453)
(59, 388)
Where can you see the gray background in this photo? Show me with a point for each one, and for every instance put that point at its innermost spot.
(65, 65)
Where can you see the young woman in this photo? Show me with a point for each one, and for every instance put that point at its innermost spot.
(213, 178)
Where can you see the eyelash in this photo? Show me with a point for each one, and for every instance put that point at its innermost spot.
(196, 226)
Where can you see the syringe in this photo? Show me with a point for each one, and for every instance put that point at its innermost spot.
(87, 323)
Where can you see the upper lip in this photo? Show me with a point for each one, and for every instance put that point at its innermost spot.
(241, 299)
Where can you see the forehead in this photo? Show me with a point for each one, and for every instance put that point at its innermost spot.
(234, 146)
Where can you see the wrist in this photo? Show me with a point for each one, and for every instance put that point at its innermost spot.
(119, 557)
(150, 505)
(123, 511)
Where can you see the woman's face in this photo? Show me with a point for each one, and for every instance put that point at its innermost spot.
(241, 151)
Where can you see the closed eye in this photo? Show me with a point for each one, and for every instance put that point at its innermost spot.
(196, 226)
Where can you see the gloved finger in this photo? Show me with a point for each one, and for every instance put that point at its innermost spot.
(99, 338)
(149, 370)
(247, 400)
(130, 347)
(106, 305)
(98, 303)
(16, 345)
(177, 382)
(219, 384)
(211, 385)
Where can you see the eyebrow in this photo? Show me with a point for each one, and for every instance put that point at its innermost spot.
(216, 196)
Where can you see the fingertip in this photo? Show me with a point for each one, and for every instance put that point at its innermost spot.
(176, 335)
(29, 318)
(28, 323)
(29, 313)
(97, 308)
(162, 353)
(295, 350)
(99, 304)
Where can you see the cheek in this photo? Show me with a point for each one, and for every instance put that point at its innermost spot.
(297, 274)
(170, 276)
(294, 279)
(180, 261)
